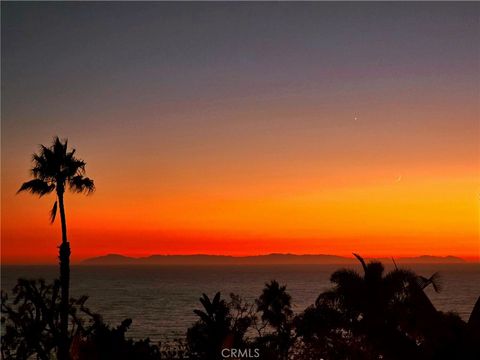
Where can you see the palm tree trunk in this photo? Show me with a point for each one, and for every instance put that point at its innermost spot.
(63, 349)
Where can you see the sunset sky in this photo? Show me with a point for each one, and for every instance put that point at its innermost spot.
(246, 128)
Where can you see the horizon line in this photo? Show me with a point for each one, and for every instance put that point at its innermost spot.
(465, 258)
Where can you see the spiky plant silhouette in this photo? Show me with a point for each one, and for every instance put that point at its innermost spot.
(54, 170)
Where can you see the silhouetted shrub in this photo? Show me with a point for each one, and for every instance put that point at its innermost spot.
(31, 320)
(220, 325)
(275, 309)
(102, 342)
(31, 323)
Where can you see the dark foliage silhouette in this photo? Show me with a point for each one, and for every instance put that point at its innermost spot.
(364, 316)
(56, 169)
(31, 321)
(275, 308)
(211, 331)
(220, 325)
(380, 316)
(472, 339)
(103, 342)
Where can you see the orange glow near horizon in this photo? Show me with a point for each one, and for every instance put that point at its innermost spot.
(398, 215)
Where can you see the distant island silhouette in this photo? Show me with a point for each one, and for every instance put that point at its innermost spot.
(269, 259)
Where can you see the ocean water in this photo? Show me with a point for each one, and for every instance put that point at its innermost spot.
(160, 299)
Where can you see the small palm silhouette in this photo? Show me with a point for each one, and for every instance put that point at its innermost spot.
(216, 310)
(275, 307)
(213, 330)
(275, 304)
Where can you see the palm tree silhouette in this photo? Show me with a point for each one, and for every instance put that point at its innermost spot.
(55, 168)
(216, 310)
(213, 330)
(275, 306)
(376, 302)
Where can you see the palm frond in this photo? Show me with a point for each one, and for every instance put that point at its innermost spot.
(59, 148)
(434, 280)
(81, 184)
(53, 213)
(205, 301)
(397, 281)
(39, 169)
(46, 164)
(51, 161)
(37, 187)
(347, 281)
(73, 167)
(361, 261)
(216, 299)
(329, 297)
